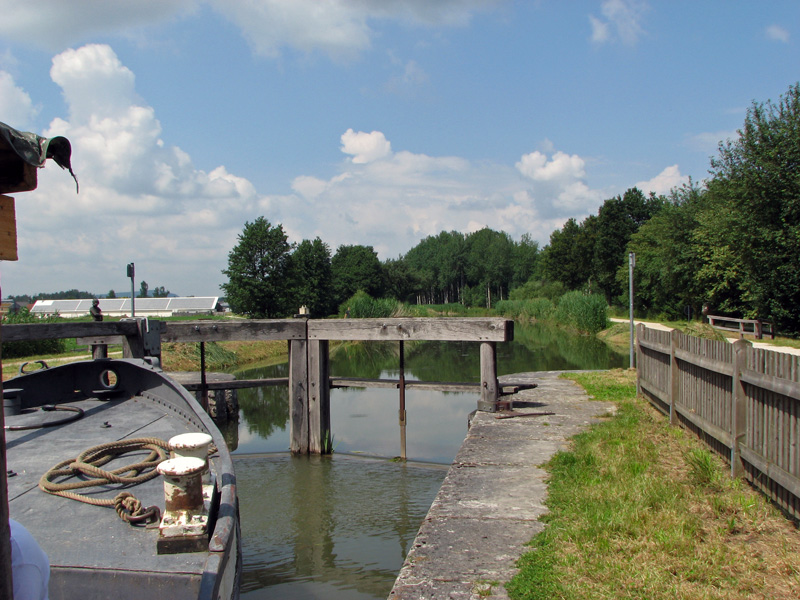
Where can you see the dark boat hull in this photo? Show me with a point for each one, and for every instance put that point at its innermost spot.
(93, 553)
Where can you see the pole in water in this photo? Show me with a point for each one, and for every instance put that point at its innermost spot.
(402, 411)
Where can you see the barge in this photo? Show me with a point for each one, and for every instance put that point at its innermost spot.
(148, 548)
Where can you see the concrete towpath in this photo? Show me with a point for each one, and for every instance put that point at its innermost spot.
(491, 500)
(732, 338)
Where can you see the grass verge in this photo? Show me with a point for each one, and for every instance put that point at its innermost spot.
(642, 510)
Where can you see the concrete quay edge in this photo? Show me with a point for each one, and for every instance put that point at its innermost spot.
(493, 496)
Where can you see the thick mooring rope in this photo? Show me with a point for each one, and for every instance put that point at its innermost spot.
(88, 464)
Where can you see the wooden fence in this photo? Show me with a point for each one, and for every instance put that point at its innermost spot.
(743, 402)
(754, 327)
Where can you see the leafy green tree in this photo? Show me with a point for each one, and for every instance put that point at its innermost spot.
(258, 271)
(562, 260)
(160, 292)
(523, 260)
(755, 200)
(489, 264)
(667, 260)
(111, 294)
(356, 268)
(617, 220)
(399, 281)
(143, 290)
(311, 265)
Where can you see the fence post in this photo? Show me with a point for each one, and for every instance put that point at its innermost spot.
(739, 406)
(489, 386)
(298, 396)
(674, 377)
(319, 398)
(639, 359)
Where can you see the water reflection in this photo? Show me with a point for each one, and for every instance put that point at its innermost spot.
(332, 527)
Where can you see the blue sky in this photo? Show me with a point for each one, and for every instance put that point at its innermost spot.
(375, 122)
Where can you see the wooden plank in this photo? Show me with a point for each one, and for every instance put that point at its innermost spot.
(506, 388)
(237, 384)
(701, 423)
(772, 471)
(396, 329)
(47, 331)
(245, 330)
(767, 382)
(8, 229)
(716, 366)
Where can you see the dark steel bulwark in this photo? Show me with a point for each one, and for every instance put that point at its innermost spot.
(93, 553)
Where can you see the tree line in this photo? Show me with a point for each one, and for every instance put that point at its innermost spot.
(730, 245)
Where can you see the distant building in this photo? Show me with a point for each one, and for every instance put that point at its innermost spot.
(9, 306)
(121, 307)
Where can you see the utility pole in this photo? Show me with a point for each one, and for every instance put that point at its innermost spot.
(631, 265)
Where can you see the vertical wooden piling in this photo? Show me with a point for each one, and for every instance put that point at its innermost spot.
(489, 386)
(298, 396)
(402, 410)
(319, 398)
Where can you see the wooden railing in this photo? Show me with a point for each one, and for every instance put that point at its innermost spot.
(754, 327)
(743, 402)
(309, 379)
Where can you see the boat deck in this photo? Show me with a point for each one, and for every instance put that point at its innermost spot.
(78, 536)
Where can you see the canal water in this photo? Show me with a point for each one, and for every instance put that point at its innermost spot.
(340, 526)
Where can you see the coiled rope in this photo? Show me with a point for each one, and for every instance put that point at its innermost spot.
(88, 464)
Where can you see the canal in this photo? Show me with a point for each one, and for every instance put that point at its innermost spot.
(340, 526)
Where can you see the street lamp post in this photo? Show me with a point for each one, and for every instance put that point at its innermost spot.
(631, 265)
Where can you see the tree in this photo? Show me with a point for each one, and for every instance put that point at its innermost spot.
(311, 265)
(161, 292)
(667, 260)
(754, 198)
(111, 294)
(258, 271)
(356, 268)
(562, 259)
(617, 220)
(143, 290)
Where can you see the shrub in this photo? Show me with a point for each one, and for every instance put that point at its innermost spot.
(362, 306)
(536, 308)
(33, 347)
(586, 313)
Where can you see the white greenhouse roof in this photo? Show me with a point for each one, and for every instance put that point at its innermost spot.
(116, 306)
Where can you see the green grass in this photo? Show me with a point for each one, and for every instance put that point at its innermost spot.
(642, 510)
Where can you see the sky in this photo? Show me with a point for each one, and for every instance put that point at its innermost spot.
(373, 122)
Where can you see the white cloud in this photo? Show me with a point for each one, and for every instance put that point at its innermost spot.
(665, 181)
(562, 167)
(621, 21)
(140, 199)
(55, 24)
(365, 147)
(708, 141)
(339, 28)
(601, 31)
(778, 33)
(16, 107)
